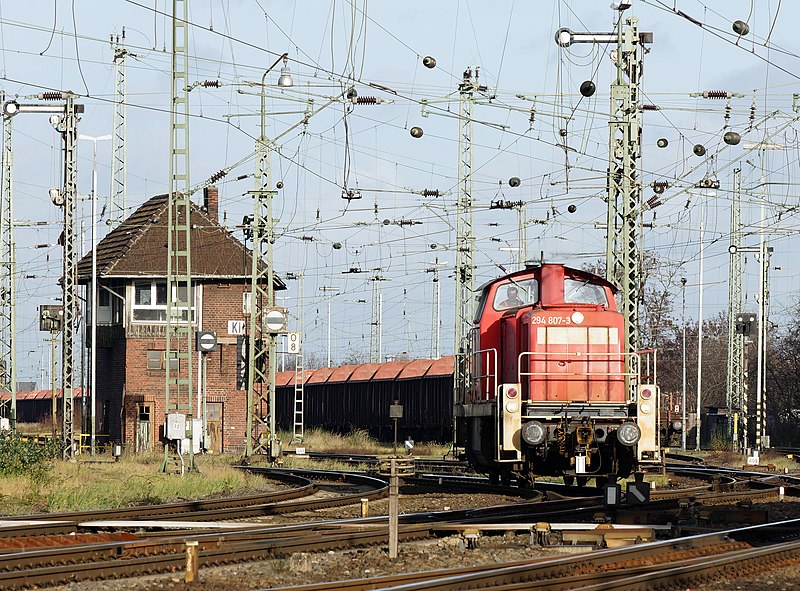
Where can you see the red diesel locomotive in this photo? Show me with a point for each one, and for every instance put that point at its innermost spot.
(553, 391)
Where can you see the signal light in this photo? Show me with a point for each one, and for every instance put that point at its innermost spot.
(646, 394)
(511, 393)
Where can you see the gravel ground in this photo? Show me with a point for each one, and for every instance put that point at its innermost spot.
(414, 556)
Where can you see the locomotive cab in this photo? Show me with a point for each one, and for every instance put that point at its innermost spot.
(553, 390)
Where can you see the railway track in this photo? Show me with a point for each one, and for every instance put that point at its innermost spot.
(663, 565)
(126, 549)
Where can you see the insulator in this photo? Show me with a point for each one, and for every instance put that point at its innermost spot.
(732, 138)
(572, 208)
(366, 100)
(741, 28)
(210, 83)
(649, 107)
(587, 88)
(218, 175)
(307, 238)
(660, 186)
(416, 132)
(241, 177)
(699, 150)
(514, 181)
(430, 192)
(717, 94)
(51, 96)
(532, 118)
(653, 202)
(662, 142)
(429, 61)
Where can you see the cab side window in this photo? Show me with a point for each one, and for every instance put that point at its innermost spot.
(514, 294)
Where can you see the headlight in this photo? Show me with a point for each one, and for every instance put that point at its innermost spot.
(533, 433)
(629, 433)
(677, 425)
(647, 407)
(512, 406)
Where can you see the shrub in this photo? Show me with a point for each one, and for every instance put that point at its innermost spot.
(25, 458)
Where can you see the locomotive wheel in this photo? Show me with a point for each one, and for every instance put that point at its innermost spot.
(570, 480)
(525, 481)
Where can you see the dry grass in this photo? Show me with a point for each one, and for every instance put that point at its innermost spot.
(359, 442)
(135, 480)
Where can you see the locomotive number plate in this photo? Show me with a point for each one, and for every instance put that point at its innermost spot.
(551, 320)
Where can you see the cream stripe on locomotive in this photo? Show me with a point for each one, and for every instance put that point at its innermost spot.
(577, 335)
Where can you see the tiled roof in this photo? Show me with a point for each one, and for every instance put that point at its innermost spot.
(40, 394)
(138, 247)
(402, 370)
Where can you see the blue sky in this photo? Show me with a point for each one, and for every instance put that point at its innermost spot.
(377, 48)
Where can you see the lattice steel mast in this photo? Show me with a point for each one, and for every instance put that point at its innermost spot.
(8, 362)
(465, 239)
(624, 184)
(118, 198)
(179, 380)
(376, 325)
(735, 389)
(260, 352)
(70, 194)
(65, 121)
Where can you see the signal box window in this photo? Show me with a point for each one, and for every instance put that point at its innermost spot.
(583, 292)
(515, 294)
(150, 301)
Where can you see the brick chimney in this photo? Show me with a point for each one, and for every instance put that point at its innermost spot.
(211, 202)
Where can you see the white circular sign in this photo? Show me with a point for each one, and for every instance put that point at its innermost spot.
(577, 317)
(275, 320)
(206, 341)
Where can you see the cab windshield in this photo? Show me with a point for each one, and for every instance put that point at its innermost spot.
(578, 291)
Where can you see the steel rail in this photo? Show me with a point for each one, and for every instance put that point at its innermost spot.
(513, 576)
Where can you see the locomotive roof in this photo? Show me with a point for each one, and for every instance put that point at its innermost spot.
(533, 268)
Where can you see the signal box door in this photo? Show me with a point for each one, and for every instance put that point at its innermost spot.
(144, 428)
(214, 422)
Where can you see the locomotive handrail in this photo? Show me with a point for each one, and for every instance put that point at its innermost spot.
(491, 358)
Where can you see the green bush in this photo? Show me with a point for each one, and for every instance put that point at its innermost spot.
(25, 458)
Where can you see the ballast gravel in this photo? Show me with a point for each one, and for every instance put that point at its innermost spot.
(415, 556)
